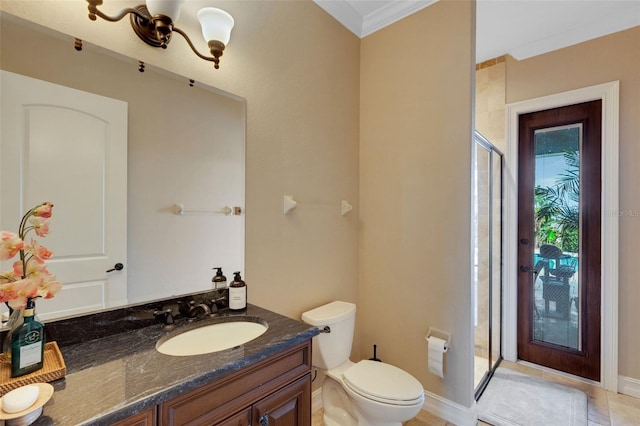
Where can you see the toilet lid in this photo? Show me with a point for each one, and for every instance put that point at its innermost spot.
(383, 382)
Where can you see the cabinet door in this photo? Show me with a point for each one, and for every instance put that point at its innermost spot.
(290, 406)
(146, 418)
(243, 418)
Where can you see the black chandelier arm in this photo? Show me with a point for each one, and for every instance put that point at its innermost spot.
(93, 11)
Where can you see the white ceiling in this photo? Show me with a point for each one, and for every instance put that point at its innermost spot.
(520, 28)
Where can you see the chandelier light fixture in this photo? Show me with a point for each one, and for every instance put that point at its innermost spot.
(153, 23)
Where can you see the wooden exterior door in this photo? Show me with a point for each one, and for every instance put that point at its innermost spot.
(559, 238)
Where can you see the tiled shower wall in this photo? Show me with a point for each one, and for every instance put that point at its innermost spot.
(490, 101)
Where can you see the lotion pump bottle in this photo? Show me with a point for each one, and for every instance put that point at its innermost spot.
(237, 294)
(219, 281)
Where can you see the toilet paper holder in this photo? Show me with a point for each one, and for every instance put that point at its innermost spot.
(440, 335)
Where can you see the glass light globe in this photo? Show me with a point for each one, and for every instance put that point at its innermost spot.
(216, 24)
(170, 8)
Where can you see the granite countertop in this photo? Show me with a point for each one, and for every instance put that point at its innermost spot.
(118, 375)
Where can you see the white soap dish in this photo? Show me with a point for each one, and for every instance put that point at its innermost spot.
(30, 414)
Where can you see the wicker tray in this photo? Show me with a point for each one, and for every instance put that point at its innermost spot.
(53, 369)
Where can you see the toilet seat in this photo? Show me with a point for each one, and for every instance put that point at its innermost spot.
(383, 383)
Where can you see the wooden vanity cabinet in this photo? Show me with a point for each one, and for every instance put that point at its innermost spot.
(242, 418)
(275, 392)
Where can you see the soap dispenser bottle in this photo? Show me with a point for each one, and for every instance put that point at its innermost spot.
(27, 343)
(219, 281)
(237, 294)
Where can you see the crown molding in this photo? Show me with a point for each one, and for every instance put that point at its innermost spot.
(623, 19)
(392, 12)
(363, 26)
(342, 11)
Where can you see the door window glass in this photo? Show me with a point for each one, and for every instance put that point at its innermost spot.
(556, 287)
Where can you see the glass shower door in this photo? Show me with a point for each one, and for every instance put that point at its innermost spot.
(487, 276)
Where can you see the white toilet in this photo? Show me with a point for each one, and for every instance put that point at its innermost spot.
(367, 393)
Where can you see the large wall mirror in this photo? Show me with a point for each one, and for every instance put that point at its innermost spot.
(185, 146)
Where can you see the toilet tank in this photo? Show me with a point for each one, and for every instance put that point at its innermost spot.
(333, 348)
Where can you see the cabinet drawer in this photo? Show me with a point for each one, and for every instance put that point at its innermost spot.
(228, 395)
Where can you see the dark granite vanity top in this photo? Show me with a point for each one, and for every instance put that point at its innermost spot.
(117, 375)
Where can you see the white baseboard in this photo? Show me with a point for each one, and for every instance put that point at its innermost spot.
(316, 400)
(629, 386)
(450, 411)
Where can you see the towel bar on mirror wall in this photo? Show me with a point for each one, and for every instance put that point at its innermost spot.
(290, 204)
(226, 210)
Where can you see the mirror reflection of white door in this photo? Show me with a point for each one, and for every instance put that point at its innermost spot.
(70, 148)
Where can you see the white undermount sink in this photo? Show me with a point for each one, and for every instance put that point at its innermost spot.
(207, 337)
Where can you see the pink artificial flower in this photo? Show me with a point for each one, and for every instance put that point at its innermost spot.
(16, 293)
(17, 268)
(35, 268)
(40, 225)
(38, 251)
(9, 276)
(10, 244)
(48, 286)
(18, 285)
(19, 302)
(7, 292)
(27, 287)
(43, 210)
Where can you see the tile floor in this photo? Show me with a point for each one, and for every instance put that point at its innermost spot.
(604, 407)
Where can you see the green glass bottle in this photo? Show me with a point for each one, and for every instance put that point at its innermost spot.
(27, 344)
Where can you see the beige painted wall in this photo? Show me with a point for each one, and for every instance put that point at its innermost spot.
(415, 192)
(298, 70)
(614, 57)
